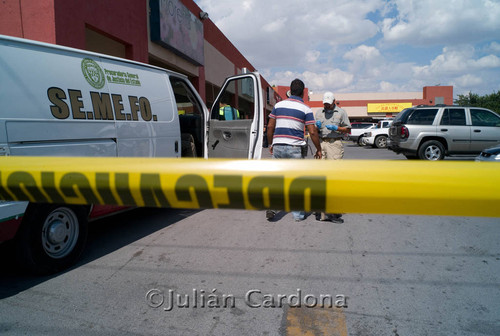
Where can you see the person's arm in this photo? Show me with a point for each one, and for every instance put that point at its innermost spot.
(346, 123)
(343, 129)
(313, 134)
(271, 125)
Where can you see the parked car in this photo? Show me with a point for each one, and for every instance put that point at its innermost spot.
(357, 130)
(489, 154)
(433, 132)
(377, 137)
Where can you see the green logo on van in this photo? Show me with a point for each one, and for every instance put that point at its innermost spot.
(93, 73)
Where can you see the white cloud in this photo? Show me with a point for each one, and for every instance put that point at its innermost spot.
(333, 80)
(277, 33)
(467, 81)
(490, 61)
(275, 26)
(494, 47)
(312, 56)
(462, 68)
(362, 53)
(456, 61)
(389, 87)
(353, 45)
(426, 22)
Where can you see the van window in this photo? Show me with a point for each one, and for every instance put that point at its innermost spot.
(184, 98)
(484, 118)
(236, 102)
(454, 117)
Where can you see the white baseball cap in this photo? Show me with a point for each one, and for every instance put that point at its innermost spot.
(328, 97)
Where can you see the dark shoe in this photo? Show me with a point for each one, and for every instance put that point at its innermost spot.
(334, 219)
(270, 214)
(323, 217)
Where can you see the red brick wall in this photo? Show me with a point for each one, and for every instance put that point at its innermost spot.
(63, 22)
(28, 19)
(124, 21)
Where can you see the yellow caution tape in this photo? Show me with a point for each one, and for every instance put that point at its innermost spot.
(347, 186)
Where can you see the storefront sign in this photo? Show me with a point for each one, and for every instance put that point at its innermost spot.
(387, 107)
(175, 27)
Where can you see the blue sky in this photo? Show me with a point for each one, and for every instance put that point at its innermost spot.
(367, 45)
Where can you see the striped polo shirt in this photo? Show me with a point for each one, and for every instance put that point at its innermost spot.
(291, 116)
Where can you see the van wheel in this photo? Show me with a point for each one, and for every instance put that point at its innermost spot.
(52, 237)
(381, 141)
(360, 141)
(188, 147)
(431, 150)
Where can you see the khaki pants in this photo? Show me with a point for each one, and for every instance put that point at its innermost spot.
(332, 149)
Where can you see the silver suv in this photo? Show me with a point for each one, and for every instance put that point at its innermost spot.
(433, 132)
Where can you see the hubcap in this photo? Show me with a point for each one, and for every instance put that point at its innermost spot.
(432, 153)
(57, 232)
(60, 232)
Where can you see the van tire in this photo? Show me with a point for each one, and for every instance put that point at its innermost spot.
(360, 141)
(431, 150)
(51, 237)
(188, 147)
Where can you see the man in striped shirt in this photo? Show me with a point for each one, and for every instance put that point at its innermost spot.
(286, 131)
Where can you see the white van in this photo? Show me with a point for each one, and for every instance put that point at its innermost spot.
(58, 101)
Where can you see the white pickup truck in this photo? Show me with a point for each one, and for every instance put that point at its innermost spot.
(377, 137)
(358, 129)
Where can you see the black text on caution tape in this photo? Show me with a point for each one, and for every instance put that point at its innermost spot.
(159, 190)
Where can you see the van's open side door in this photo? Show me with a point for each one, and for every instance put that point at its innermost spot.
(237, 119)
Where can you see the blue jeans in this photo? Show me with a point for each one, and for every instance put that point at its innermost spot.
(289, 152)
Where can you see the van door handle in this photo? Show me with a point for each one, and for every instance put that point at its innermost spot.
(215, 144)
(226, 135)
(477, 131)
(444, 130)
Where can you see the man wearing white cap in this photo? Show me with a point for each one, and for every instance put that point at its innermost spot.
(332, 123)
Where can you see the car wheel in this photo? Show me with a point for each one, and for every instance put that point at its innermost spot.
(52, 237)
(381, 141)
(431, 150)
(361, 141)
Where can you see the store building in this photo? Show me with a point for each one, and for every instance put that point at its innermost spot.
(172, 34)
(373, 106)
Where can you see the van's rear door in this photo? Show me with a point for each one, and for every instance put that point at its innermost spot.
(237, 119)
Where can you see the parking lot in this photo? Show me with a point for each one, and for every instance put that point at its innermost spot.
(231, 272)
(355, 152)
